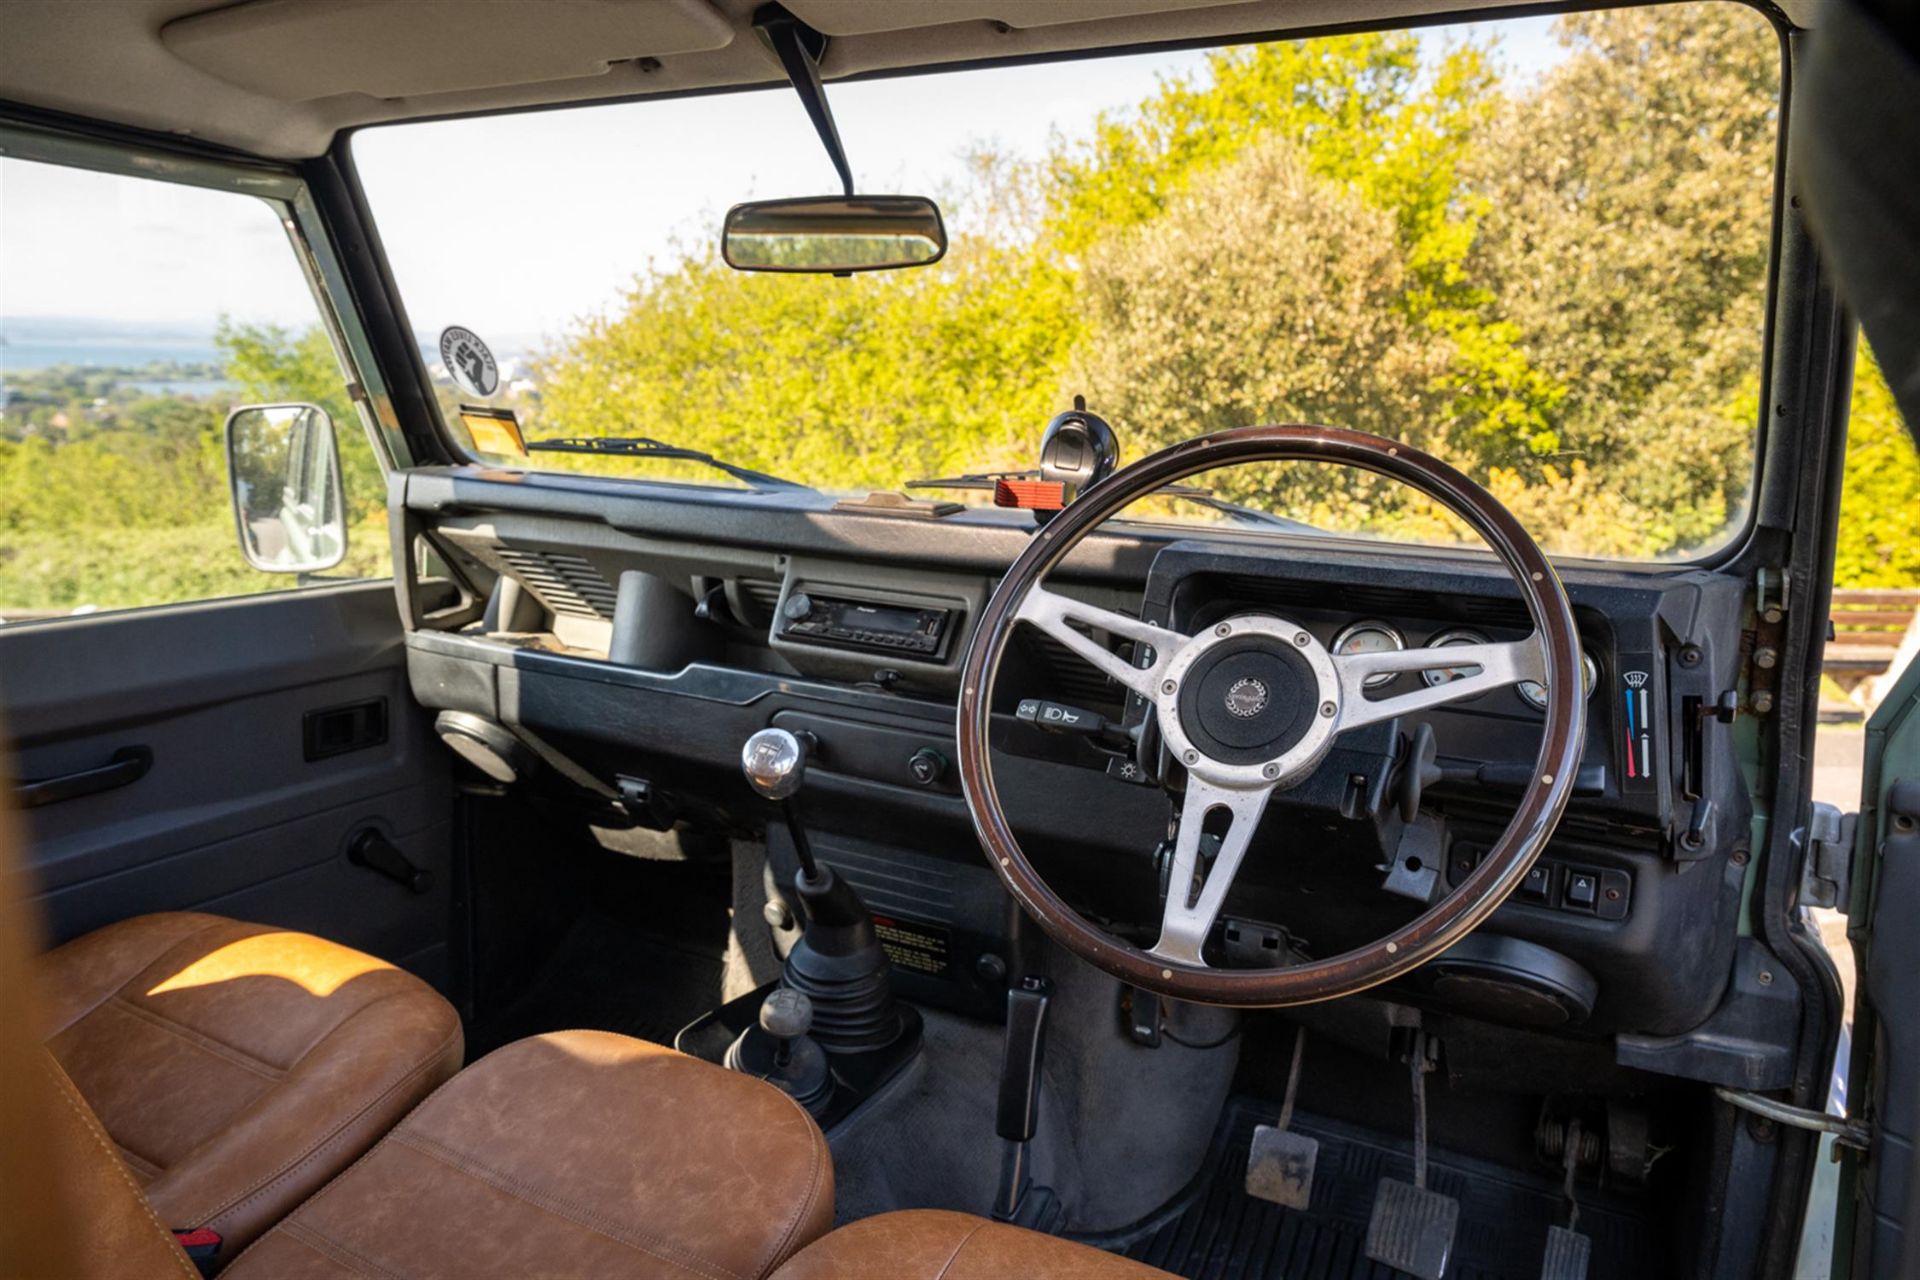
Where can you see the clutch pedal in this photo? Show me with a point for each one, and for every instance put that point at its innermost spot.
(1280, 1162)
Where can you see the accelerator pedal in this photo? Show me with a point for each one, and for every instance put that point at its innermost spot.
(1412, 1228)
(1280, 1161)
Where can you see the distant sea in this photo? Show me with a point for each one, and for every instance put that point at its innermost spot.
(42, 342)
(29, 343)
(127, 353)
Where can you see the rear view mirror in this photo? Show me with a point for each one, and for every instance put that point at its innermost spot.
(833, 235)
(287, 502)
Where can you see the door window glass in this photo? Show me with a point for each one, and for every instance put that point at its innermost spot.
(134, 315)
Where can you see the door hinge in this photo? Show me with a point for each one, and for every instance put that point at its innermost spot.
(1763, 649)
(1826, 857)
(1770, 595)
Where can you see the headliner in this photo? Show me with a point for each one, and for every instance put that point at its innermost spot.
(280, 78)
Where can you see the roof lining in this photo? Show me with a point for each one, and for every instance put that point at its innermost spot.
(106, 60)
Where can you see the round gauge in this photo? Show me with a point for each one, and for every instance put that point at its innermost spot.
(1535, 693)
(1370, 637)
(1446, 640)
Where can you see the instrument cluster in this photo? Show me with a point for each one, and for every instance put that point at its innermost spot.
(1371, 635)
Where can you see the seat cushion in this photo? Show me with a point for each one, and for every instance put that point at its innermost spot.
(238, 1067)
(580, 1153)
(925, 1244)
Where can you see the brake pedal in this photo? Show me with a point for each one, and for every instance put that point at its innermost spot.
(1412, 1228)
(1569, 1253)
(1280, 1162)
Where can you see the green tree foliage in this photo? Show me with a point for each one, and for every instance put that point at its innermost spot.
(1358, 109)
(1298, 320)
(861, 381)
(1880, 506)
(1625, 240)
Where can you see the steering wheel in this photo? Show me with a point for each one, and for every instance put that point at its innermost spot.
(1251, 706)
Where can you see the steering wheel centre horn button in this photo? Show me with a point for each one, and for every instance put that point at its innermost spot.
(1247, 698)
(1243, 703)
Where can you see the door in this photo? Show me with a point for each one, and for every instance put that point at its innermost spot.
(1883, 1191)
(190, 732)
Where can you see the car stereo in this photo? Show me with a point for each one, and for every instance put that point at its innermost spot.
(865, 624)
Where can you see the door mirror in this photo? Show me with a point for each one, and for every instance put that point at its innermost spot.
(287, 501)
(833, 235)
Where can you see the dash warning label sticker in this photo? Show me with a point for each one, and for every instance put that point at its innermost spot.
(914, 946)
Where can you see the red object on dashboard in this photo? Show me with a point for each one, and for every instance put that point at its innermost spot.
(1030, 495)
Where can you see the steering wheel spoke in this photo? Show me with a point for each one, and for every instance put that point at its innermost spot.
(1195, 893)
(1055, 614)
(1499, 665)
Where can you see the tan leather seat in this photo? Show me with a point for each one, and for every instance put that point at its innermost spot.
(580, 1153)
(925, 1244)
(238, 1067)
(105, 1226)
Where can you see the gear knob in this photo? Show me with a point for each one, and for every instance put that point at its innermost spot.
(775, 762)
(786, 1014)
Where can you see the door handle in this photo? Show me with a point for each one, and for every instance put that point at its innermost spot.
(127, 765)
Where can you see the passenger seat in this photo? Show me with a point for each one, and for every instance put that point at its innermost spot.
(576, 1153)
(236, 1067)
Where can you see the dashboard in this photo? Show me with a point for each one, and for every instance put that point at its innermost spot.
(637, 648)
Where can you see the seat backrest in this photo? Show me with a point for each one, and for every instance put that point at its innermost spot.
(69, 1207)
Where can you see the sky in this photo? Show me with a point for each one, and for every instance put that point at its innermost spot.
(515, 226)
(94, 245)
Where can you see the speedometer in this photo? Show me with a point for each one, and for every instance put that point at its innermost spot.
(1447, 640)
(1370, 636)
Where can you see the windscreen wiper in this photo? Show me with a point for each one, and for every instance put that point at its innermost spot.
(648, 447)
(1185, 492)
(1236, 511)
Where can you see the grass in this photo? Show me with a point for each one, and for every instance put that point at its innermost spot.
(119, 568)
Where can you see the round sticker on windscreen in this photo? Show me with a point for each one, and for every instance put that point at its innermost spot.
(468, 362)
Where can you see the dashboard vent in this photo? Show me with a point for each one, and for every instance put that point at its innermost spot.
(566, 584)
(761, 597)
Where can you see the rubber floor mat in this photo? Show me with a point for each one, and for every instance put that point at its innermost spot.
(1215, 1231)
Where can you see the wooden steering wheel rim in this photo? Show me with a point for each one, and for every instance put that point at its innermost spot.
(1442, 924)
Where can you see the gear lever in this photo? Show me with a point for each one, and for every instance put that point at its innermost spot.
(838, 962)
(775, 762)
(785, 1055)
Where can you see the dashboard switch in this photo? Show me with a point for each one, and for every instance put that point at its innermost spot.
(1058, 717)
(1583, 889)
(1538, 884)
(926, 766)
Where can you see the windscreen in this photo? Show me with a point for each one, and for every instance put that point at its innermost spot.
(1537, 248)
